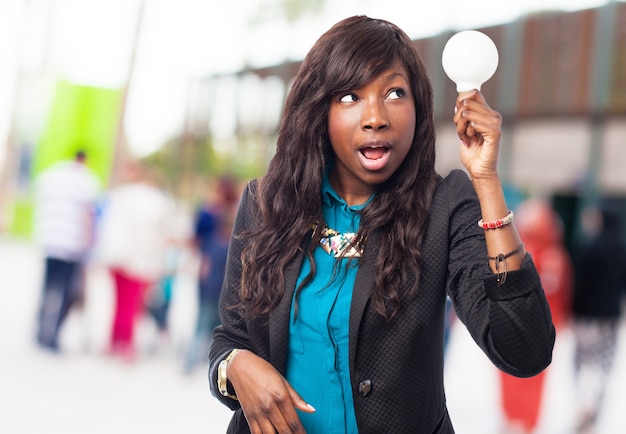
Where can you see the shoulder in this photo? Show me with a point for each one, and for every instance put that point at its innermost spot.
(456, 187)
(249, 203)
(252, 186)
(456, 179)
(251, 191)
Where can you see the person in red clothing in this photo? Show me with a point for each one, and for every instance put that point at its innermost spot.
(134, 236)
(541, 231)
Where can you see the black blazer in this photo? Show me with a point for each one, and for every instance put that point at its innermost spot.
(397, 367)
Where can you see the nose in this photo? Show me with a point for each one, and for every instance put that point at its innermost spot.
(374, 116)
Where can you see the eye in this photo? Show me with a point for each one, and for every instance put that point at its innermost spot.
(348, 97)
(396, 94)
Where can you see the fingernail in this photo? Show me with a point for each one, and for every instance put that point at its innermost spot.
(310, 407)
(463, 143)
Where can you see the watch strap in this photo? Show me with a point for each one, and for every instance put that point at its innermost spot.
(222, 379)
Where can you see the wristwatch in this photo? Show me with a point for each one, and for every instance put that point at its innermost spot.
(222, 380)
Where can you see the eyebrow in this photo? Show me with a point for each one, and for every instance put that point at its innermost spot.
(393, 75)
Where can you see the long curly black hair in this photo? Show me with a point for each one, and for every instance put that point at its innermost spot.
(347, 56)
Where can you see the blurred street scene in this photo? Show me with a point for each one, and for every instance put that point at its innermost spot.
(192, 92)
(85, 390)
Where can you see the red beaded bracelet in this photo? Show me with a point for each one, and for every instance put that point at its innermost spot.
(496, 223)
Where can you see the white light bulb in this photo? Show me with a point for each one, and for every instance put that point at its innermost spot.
(469, 58)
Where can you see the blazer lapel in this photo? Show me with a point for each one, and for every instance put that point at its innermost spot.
(363, 288)
(279, 317)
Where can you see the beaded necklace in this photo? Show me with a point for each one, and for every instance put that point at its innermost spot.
(335, 243)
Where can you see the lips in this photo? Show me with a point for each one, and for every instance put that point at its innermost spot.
(374, 155)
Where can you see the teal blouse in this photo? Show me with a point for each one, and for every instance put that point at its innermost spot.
(317, 364)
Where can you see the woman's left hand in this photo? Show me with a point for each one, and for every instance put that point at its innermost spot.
(479, 128)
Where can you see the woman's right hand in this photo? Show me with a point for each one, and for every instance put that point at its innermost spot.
(267, 399)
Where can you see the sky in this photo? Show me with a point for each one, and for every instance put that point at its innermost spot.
(92, 41)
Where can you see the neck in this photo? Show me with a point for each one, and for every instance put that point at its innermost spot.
(353, 193)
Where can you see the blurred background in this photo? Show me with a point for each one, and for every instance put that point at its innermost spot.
(192, 91)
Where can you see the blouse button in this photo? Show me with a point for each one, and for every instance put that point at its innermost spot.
(365, 387)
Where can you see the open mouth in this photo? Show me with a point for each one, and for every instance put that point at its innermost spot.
(374, 156)
(374, 152)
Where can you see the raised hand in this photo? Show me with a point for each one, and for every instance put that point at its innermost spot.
(479, 128)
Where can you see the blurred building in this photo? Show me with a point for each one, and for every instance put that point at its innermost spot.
(560, 86)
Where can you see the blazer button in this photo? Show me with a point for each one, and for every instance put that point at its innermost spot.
(365, 387)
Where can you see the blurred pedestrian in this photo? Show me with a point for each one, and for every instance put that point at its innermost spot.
(133, 242)
(449, 324)
(542, 232)
(160, 296)
(600, 281)
(65, 200)
(213, 227)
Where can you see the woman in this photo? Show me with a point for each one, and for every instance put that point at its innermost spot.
(342, 254)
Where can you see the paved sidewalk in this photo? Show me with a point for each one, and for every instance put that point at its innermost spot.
(83, 391)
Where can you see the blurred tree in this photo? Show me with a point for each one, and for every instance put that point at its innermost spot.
(185, 163)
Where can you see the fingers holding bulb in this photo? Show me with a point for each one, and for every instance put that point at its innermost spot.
(475, 120)
(464, 128)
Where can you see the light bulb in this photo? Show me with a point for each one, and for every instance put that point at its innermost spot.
(469, 58)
